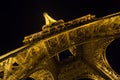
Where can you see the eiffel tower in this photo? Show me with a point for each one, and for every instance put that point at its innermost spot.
(85, 38)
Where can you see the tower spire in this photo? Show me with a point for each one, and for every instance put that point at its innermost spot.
(48, 19)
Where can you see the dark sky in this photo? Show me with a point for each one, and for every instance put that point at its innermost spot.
(21, 17)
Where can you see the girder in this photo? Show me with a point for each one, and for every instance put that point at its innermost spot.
(86, 38)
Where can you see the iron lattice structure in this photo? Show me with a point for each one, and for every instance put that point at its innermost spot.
(86, 38)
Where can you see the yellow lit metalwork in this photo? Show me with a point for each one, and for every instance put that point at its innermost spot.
(48, 19)
(86, 38)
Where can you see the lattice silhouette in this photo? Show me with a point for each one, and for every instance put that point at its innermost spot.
(86, 38)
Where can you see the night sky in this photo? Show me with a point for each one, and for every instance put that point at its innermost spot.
(20, 18)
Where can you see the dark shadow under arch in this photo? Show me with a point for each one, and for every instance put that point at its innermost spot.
(1, 74)
(65, 55)
(29, 78)
(85, 79)
(113, 55)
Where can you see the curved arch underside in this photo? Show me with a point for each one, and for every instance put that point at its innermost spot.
(87, 43)
(91, 61)
(113, 54)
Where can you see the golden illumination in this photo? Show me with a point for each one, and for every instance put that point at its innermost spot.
(48, 19)
(86, 38)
